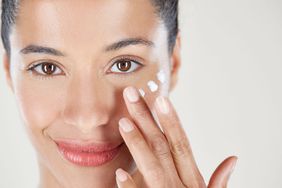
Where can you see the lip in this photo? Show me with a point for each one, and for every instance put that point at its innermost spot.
(87, 153)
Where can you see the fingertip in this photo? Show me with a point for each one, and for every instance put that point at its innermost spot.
(124, 179)
(233, 165)
(223, 172)
(235, 159)
(121, 175)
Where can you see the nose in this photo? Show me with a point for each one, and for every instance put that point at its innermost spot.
(88, 103)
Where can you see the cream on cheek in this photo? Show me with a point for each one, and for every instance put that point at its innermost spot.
(161, 76)
(152, 89)
(152, 85)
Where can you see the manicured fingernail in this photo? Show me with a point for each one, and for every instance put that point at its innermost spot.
(142, 92)
(125, 125)
(132, 94)
(121, 175)
(162, 105)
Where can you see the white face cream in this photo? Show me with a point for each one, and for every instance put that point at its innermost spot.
(161, 76)
(152, 85)
(142, 92)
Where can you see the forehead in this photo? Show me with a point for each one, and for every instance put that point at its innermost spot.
(86, 22)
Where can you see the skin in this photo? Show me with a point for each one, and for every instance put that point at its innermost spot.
(85, 98)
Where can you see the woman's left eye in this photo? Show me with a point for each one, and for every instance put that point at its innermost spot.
(125, 66)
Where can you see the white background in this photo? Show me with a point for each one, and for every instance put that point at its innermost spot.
(228, 96)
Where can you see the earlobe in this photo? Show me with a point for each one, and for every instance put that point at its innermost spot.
(6, 66)
(176, 62)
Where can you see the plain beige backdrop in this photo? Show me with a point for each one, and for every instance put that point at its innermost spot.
(229, 95)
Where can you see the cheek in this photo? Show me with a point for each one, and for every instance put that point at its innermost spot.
(38, 103)
(155, 85)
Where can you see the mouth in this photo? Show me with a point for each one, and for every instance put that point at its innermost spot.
(87, 154)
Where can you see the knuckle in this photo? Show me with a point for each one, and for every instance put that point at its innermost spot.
(155, 173)
(141, 113)
(181, 147)
(137, 142)
(140, 109)
(160, 147)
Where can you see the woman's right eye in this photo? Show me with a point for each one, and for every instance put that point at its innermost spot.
(45, 69)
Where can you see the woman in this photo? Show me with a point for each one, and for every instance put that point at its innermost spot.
(92, 80)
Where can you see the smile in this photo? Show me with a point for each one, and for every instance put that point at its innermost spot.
(88, 155)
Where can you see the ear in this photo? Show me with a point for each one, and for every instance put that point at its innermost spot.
(6, 65)
(175, 62)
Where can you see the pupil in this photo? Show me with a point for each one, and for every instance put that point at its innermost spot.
(48, 68)
(124, 65)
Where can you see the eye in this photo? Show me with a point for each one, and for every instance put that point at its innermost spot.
(125, 66)
(45, 69)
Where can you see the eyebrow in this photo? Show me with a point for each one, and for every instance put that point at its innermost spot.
(129, 41)
(113, 47)
(41, 49)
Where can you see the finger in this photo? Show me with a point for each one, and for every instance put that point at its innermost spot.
(143, 117)
(145, 159)
(138, 178)
(222, 173)
(124, 180)
(178, 143)
(141, 113)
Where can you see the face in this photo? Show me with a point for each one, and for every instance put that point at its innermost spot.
(70, 61)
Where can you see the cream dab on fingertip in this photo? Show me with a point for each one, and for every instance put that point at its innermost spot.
(142, 92)
(152, 85)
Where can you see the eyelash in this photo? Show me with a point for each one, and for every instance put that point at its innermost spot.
(130, 59)
(45, 77)
(39, 75)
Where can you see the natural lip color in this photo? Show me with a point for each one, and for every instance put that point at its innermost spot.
(87, 153)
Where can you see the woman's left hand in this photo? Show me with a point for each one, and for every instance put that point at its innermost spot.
(164, 159)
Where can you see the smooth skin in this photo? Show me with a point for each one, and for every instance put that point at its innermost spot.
(83, 99)
(164, 159)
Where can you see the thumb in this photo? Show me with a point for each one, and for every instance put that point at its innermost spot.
(220, 177)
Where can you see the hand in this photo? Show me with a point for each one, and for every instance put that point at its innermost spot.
(163, 159)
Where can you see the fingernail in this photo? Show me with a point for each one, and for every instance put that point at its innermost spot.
(162, 105)
(121, 175)
(141, 91)
(131, 94)
(125, 125)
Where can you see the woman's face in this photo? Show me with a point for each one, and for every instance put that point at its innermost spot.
(85, 53)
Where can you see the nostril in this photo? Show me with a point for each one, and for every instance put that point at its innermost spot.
(87, 108)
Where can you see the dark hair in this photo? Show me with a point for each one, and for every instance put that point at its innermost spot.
(167, 10)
